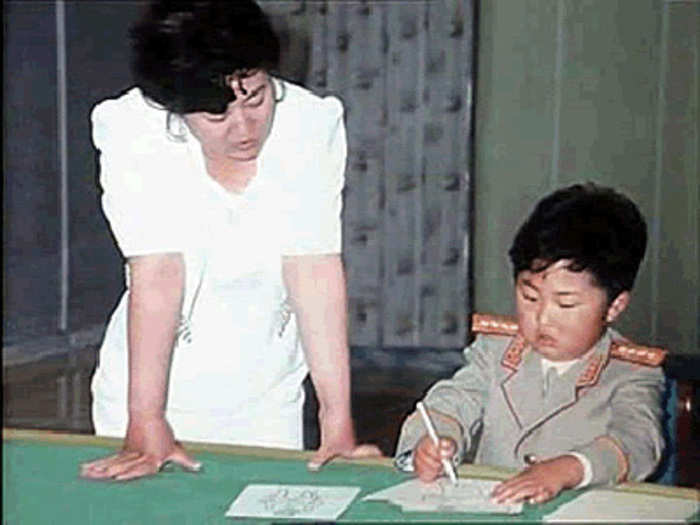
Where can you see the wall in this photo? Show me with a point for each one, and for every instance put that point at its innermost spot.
(30, 165)
(602, 90)
(404, 73)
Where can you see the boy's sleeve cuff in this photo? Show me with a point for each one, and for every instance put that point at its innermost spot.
(587, 469)
(609, 461)
(413, 431)
(404, 461)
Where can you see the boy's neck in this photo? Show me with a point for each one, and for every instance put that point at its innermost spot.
(563, 366)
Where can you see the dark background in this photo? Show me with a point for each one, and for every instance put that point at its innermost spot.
(96, 68)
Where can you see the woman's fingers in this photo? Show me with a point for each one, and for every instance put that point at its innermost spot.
(324, 455)
(138, 469)
(365, 450)
(102, 467)
(100, 464)
(180, 457)
(321, 457)
(115, 466)
(130, 465)
(147, 447)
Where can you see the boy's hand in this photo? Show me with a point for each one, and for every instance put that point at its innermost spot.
(427, 460)
(540, 482)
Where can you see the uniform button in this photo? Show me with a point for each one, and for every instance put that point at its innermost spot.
(530, 459)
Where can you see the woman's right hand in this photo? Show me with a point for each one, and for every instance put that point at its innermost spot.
(427, 459)
(155, 302)
(148, 445)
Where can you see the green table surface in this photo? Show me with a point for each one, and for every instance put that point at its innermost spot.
(41, 485)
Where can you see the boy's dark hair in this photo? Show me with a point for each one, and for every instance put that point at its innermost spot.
(183, 51)
(595, 227)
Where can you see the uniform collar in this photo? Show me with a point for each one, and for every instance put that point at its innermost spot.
(596, 361)
(592, 363)
(562, 366)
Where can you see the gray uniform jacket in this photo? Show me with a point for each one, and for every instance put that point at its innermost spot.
(606, 407)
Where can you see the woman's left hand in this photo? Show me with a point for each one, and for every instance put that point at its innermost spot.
(317, 293)
(540, 482)
(338, 440)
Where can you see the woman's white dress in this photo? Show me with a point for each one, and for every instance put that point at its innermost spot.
(237, 372)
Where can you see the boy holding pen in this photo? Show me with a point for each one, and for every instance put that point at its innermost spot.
(556, 393)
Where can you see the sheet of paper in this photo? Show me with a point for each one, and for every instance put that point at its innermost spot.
(469, 495)
(625, 507)
(292, 501)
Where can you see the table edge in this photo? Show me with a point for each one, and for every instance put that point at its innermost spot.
(467, 471)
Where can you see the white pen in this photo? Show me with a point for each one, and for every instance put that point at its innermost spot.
(449, 468)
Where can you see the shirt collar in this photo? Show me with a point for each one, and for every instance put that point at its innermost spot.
(563, 366)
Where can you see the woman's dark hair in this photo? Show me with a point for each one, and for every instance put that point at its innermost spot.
(594, 227)
(183, 52)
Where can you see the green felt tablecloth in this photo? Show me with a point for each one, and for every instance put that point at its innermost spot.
(41, 485)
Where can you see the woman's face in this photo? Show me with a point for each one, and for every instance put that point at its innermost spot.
(240, 132)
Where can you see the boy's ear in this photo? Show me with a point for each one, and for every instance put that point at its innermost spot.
(617, 306)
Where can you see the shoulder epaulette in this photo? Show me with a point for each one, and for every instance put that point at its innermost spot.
(642, 355)
(494, 324)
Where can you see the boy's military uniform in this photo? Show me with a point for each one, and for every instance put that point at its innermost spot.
(606, 407)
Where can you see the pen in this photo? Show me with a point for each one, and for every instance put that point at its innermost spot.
(449, 468)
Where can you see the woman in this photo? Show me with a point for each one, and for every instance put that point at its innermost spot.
(222, 186)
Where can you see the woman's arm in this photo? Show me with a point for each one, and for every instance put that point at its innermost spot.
(155, 299)
(316, 286)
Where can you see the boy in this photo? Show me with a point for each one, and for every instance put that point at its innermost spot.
(557, 393)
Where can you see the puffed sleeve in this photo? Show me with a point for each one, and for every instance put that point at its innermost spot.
(315, 224)
(140, 198)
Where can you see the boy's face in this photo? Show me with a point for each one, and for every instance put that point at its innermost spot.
(562, 313)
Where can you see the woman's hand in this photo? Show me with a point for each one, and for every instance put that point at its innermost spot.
(148, 445)
(155, 301)
(427, 459)
(316, 287)
(338, 440)
(540, 482)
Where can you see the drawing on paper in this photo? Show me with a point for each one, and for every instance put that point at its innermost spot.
(312, 502)
(469, 495)
(285, 503)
